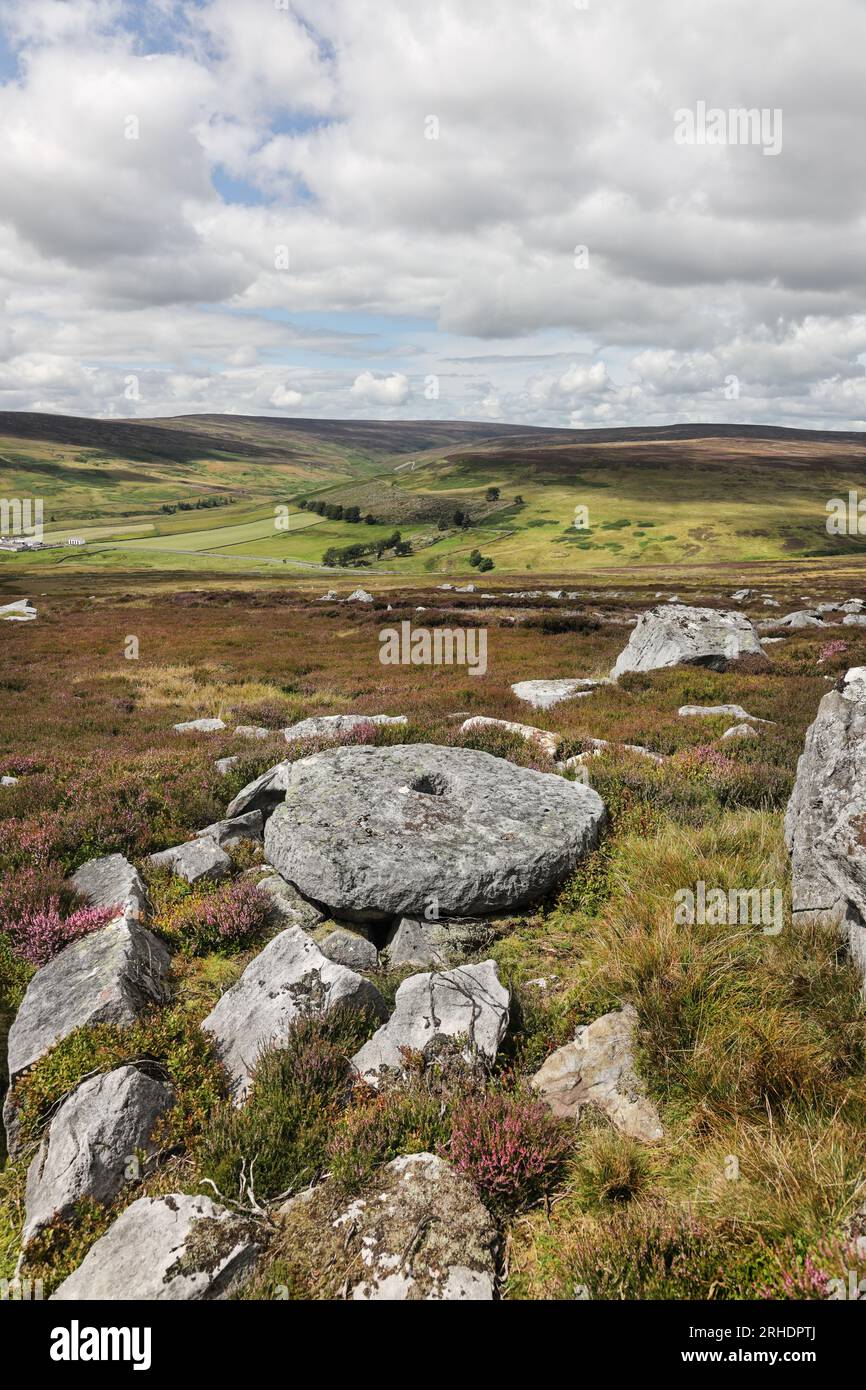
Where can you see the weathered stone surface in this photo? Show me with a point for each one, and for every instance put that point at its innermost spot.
(336, 725)
(230, 832)
(713, 711)
(742, 595)
(8, 781)
(853, 605)
(106, 1121)
(20, 611)
(741, 731)
(377, 832)
(200, 726)
(468, 1004)
(543, 738)
(195, 860)
(175, 1247)
(252, 731)
(418, 1232)
(854, 620)
(414, 942)
(110, 976)
(597, 1068)
(113, 882)
(288, 908)
(225, 765)
(674, 634)
(825, 822)
(264, 793)
(350, 948)
(546, 694)
(359, 596)
(802, 618)
(288, 977)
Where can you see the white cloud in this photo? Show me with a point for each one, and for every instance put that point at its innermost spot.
(381, 390)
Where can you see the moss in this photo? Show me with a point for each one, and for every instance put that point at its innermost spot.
(209, 1244)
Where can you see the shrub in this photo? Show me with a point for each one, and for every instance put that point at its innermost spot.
(511, 1147)
(38, 935)
(408, 1118)
(227, 917)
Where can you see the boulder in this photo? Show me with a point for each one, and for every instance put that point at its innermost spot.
(194, 861)
(8, 781)
(288, 908)
(853, 605)
(674, 634)
(288, 978)
(542, 738)
(417, 1232)
(337, 725)
(200, 726)
(225, 765)
(597, 1068)
(249, 826)
(713, 711)
(802, 618)
(113, 882)
(743, 595)
(465, 1008)
(21, 611)
(359, 596)
(377, 832)
(105, 1122)
(854, 620)
(417, 943)
(166, 1248)
(264, 793)
(825, 822)
(110, 976)
(741, 731)
(252, 731)
(350, 948)
(546, 694)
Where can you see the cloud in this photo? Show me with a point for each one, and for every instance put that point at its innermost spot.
(381, 390)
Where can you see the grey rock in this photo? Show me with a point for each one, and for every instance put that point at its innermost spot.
(853, 605)
(546, 694)
(336, 725)
(854, 620)
(108, 1120)
(263, 793)
(230, 832)
(20, 611)
(252, 731)
(110, 976)
(545, 740)
(350, 948)
(743, 595)
(414, 942)
(674, 634)
(378, 832)
(359, 596)
(466, 1008)
(225, 765)
(824, 821)
(288, 908)
(195, 860)
(597, 1068)
(200, 726)
(802, 618)
(713, 711)
(166, 1248)
(113, 882)
(288, 978)
(8, 781)
(741, 731)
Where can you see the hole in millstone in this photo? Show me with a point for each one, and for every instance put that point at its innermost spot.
(430, 783)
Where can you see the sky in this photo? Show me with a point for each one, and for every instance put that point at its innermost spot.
(545, 213)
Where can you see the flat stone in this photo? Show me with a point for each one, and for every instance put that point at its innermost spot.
(543, 738)
(350, 948)
(417, 1232)
(802, 618)
(113, 882)
(200, 726)
(225, 765)
(230, 832)
(715, 711)
(468, 1004)
(741, 731)
(372, 833)
(854, 620)
(106, 1121)
(8, 781)
(252, 731)
(284, 981)
(194, 861)
(337, 725)
(674, 634)
(288, 908)
(546, 694)
(175, 1248)
(597, 1068)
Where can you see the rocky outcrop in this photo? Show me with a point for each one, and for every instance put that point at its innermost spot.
(234, 830)
(337, 725)
(461, 1012)
(102, 1128)
(802, 618)
(194, 861)
(740, 731)
(373, 833)
(825, 822)
(416, 943)
(417, 1232)
(546, 694)
(166, 1248)
(200, 726)
(288, 978)
(350, 948)
(673, 634)
(113, 882)
(288, 908)
(252, 731)
(597, 1068)
(545, 740)
(715, 711)
(263, 793)
(110, 976)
